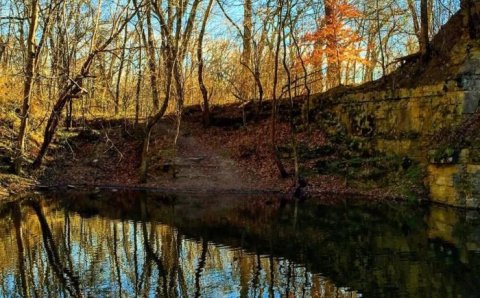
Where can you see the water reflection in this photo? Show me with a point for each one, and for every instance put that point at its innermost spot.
(134, 245)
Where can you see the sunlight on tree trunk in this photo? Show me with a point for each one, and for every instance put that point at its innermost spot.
(27, 89)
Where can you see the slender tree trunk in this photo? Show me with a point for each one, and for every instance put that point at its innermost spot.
(416, 23)
(380, 44)
(203, 89)
(120, 72)
(174, 48)
(277, 159)
(247, 47)
(28, 86)
(69, 112)
(149, 42)
(305, 75)
(139, 85)
(425, 40)
(151, 122)
(333, 63)
(293, 134)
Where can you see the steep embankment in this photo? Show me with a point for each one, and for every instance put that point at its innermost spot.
(10, 184)
(424, 111)
(226, 157)
(107, 154)
(232, 157)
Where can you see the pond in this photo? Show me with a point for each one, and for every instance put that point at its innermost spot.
(151, 245)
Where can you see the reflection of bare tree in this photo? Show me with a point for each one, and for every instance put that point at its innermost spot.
(271, 291)
(201, 266)
(64, 275)
(30, 254)
(68, 238)
(171, 255)
(127, 246)
(151, 255)
(180, 274)
(106, 254)
(306, 284)
(17, 221)
(135, 257)
(256, 275)
(115, 260)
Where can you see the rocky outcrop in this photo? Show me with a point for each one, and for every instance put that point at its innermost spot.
(407, 112)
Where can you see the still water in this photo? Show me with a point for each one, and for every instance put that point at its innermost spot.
(148, 245)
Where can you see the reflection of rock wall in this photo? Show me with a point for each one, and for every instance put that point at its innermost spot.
(402, 120)
(455, 229)
(455, 184)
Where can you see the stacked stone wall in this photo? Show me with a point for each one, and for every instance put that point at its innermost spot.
(405, 121)
(406, 112)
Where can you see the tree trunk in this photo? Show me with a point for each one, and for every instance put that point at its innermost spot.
(416, 24)
(73, 89)
(333, 63)
(276, 157)
(380, 44)
(473, 11)
(247, 47)
(203, 89)
(149, 127)
(149, 42)
(425, 40)
(28, 86)
(69, 118)
(139, 86)
(120, 71)
(293, 134)
(174, 48)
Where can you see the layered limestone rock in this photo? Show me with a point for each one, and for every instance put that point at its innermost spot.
(405, 112)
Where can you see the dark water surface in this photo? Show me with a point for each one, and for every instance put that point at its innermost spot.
(145, 245)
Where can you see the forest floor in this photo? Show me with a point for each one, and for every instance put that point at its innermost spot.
(108, 156)
(10, 184)
(225, 157)
(228, 156)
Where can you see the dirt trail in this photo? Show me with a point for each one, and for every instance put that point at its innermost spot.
(198, 168)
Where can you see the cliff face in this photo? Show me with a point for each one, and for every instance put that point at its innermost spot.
(407, 112)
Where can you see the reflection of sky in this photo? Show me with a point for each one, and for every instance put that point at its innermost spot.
(8, 284)
(94, 255)
(382, 250)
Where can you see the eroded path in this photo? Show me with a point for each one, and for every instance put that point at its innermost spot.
(111, 158)
(197, 166)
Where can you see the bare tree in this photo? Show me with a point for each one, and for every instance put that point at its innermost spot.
(75, 87)
(28, 86)
(201, 83)
(424, 35)
(280, 25)
(175, 40)
(120, 70)
(149, 42)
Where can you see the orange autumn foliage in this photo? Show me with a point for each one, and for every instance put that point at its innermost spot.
(334, 40)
